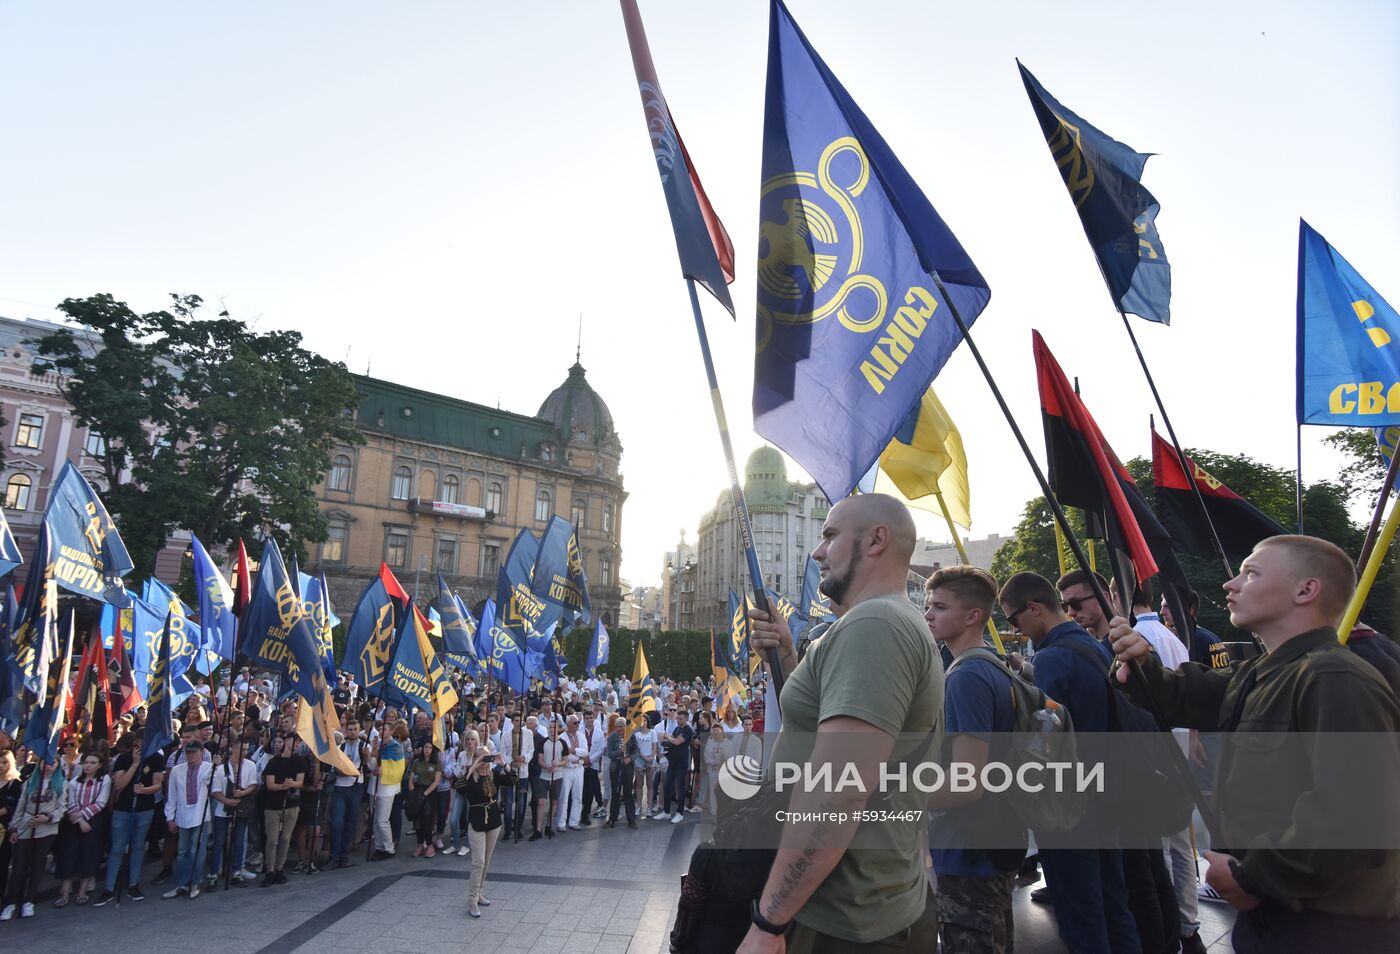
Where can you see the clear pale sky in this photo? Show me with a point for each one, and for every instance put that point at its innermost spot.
(438, 190)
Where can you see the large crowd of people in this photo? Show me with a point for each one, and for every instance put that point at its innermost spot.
(237, 799)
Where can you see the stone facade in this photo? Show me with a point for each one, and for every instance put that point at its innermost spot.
(443, 485)
(40, 435)
(787, 520)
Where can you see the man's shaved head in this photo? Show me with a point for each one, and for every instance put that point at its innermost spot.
(865, 539)
(881, 510)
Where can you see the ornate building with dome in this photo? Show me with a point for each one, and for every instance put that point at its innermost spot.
(787, 521)
(443, 485)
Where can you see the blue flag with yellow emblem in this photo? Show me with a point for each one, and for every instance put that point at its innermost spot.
(736, 647)
(89, 557)
(457, 627)
(598, 648)
(559, 576)
(273, 618)
(1119, 215)
(518, 610)
(215, 604)
(369, 639)
(851, 325)
(152, 622)
(813, 603)
(416, 675)
(160, 729)
(1348, 362)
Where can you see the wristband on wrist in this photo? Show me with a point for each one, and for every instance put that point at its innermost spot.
(763, 924)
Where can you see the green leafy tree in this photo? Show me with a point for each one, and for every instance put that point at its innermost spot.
(1271, 489)
(1364, 471)
(208, 425)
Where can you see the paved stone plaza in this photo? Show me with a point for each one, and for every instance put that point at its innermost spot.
(598, 891)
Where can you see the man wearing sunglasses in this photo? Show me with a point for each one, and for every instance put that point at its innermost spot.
(1087, 888)
(1151, 886)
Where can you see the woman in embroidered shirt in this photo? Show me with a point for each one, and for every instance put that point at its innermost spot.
(80, 847)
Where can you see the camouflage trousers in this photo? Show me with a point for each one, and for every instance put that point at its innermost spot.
(974, 914)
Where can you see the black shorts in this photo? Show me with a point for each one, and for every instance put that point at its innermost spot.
(310, 814)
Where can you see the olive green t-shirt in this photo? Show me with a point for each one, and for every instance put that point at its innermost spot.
(878, 664)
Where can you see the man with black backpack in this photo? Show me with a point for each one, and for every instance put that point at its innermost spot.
(1086, 884)
(974, 881)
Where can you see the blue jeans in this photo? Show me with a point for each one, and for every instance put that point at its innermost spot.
(236, 845)
(457, 819)
(128, 831)
(189, 857)
(1090, 900)
(345, 811)
(514, 807)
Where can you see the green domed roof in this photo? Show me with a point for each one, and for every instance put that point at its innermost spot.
(577, 410)
(766, 462)
(765, 480)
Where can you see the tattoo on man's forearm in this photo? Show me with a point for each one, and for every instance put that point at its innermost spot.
(793, 876)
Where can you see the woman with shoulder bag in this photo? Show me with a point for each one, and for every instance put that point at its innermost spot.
(483, 818)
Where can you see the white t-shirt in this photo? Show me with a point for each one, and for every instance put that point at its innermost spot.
(646, 743)
(1170, 650)
(240, 776)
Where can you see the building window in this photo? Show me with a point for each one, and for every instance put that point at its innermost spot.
(542, 505)
(447, 555)
(396, 547)
(546, 453)
(333, 549)
(494, 498)
(579, 513)
(17, 492)
(30, 432)
(607, 518)
(605, 571)
(339, 478)
(451, 489)
(490, 559)
(95, 446)
(403, 484)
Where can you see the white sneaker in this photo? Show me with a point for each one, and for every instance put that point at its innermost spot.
(676, 818)
(246, 875)
(26, 910)
(8, 913)
(463, 851)
(194, 892)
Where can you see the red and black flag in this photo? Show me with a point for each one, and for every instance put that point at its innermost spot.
(1238, 523)
(242, 581)
(1085, 473)
(92, 688)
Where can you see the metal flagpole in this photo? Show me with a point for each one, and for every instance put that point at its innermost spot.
(741, 508)
(1180, 454)
(1299, 473)
(962, 555)
(1135, 670)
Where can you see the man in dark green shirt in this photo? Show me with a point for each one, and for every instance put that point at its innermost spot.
(867, 693)
(1290, 795)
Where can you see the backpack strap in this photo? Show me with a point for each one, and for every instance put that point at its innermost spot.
(1084, 652)
(982, 652)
